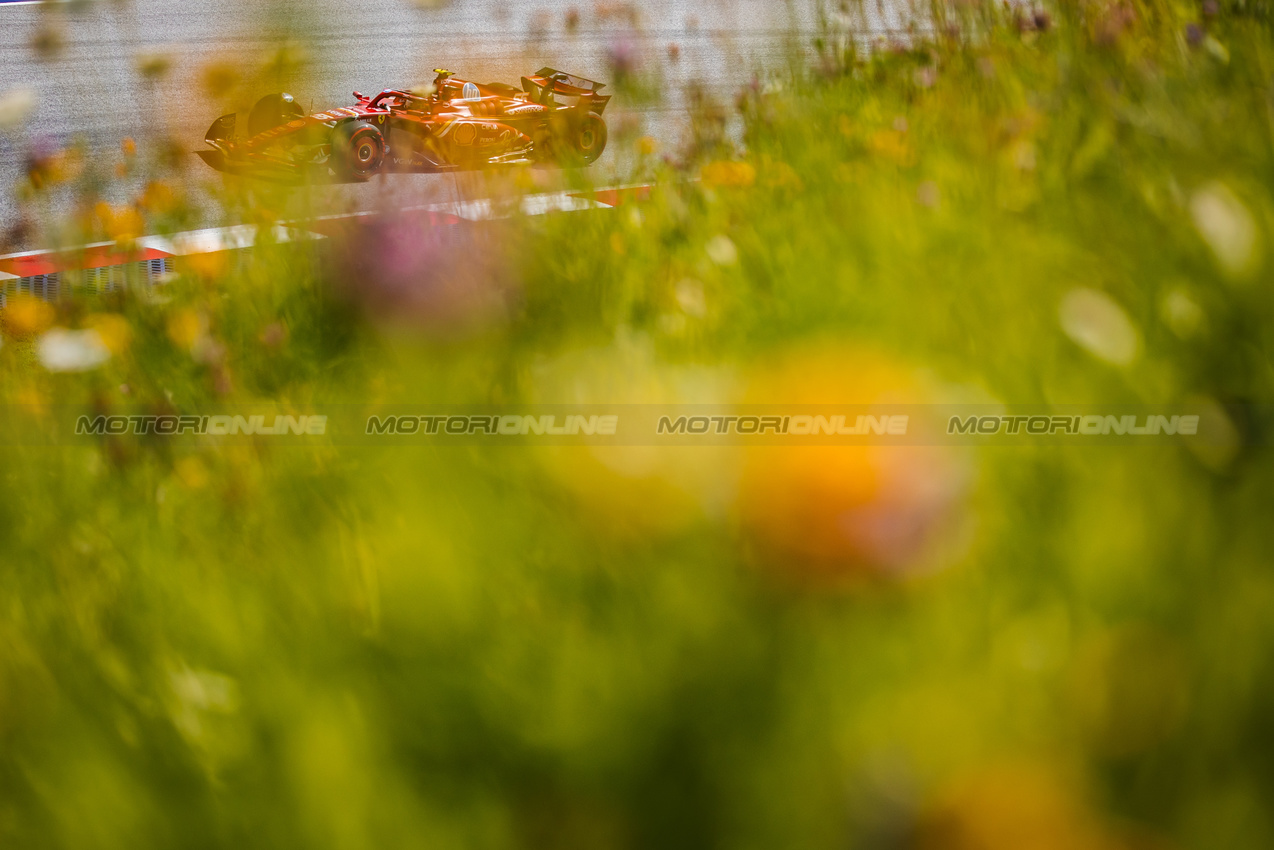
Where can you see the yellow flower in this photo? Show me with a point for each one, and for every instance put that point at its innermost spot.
(220, 78)
(891, 144)
(186, 327)
(646, 145)
(208, 265)
(779, 175)
(738, 175)
(25, 316)
(113, 330)
(158, 197)
(191, 472)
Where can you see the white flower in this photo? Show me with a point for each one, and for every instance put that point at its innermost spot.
(15, 106)
(1099, 325)
(1227, 226)
(61, 350)
(722, 251)
(689, 294)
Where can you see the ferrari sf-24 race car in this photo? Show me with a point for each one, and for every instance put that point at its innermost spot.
(554, 118)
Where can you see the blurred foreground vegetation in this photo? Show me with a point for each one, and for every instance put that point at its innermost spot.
(274, 643)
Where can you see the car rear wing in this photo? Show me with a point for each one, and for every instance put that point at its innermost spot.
(546, 82)
(570, 79)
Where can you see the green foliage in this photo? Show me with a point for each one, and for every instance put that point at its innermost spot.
(251, 643)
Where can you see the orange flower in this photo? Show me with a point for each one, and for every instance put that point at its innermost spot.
(839, 507)
(26, 316)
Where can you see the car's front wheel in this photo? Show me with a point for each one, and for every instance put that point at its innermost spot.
(358, 150)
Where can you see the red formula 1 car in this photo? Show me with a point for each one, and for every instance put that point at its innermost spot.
(554, 118)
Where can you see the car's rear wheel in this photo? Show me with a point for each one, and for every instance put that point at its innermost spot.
(272, 111)
(589, 138)
(358, 150)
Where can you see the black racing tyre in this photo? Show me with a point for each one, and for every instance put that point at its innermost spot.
(588, 138)
(358, 150)
(271, 111)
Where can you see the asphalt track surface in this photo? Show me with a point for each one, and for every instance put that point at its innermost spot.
(92, 91)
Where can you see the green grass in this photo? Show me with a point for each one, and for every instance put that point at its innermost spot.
(289, 643)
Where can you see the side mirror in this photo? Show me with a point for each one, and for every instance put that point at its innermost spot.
(359, 95)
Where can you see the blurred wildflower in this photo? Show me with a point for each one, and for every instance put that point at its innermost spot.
(735, 175)
(15, 106)
(835, 511)
(623, 57)
(159, 197)
(690, 296)
(1221, 438)
(48, 165)
(122, 224)
(1111, 21)
(206, 265)
(288, 60)
(219, 79)
(777, 174)
(274, 335)
(195, 693)
(187, 327)
(1023, 155)
(647, 145)
(927, 194)
(128, 146)
(1217, 50)
(721, 250)
(641, 489)
(62, 350)
(47, 41)
(1010, 807)
(449, 279)
(1181, 313)
(1096, 323)
(153, 66)
(925, 76)
(674, 51)
(112, 329)
(191, 472)
(25, 316)
(1227, 227)
(1194, 34)
(572, 20)
(892, 145)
